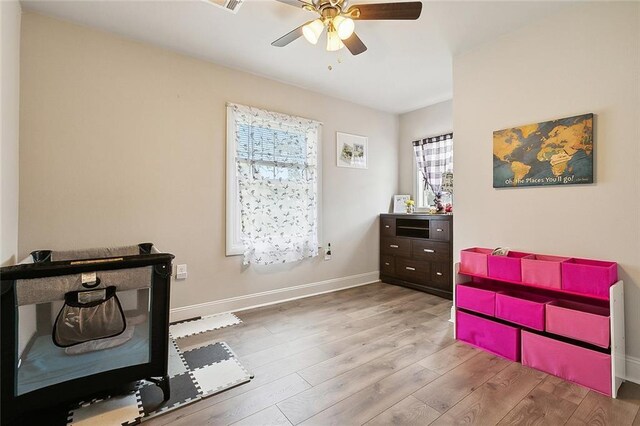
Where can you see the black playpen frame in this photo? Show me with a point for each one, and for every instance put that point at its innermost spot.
(81, 388)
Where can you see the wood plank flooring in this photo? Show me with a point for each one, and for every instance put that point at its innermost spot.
(384, 355)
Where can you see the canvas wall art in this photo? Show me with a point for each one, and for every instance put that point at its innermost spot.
(557, 152)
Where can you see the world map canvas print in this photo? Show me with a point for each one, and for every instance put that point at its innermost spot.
(557, 152)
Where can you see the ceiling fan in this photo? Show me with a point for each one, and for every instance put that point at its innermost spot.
(338, 17)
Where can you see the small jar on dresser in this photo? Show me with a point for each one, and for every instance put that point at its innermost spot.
(416, 251)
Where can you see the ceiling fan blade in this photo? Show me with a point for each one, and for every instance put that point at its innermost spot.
(375, 11)
(354, 44)
(289, 37)
(295, 3)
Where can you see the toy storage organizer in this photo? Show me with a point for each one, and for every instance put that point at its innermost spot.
(560, 315)
(118, 299)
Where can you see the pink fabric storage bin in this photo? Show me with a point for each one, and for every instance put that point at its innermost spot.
(543, 270)
(522, 308)
(476, 298)
(507, 267)
(474, 261)
(579, 321)
(589, 276)
(579, 365)
(492, 336)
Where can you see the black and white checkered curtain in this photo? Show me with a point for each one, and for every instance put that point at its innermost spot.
(434, 156)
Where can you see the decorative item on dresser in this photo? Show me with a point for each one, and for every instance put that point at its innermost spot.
(400, 203)
(416, 251)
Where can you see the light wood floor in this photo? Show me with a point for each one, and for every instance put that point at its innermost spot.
(381, 355)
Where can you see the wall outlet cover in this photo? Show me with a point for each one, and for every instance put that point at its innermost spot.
(181, 272)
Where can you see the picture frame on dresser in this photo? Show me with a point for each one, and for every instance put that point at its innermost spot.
(399, 203)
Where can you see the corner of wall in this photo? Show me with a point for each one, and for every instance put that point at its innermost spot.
(10, 16)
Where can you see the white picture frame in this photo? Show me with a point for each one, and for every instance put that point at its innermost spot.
(351, 150)
(399, 203)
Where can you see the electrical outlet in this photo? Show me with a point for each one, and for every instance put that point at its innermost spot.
(327, 252)
(181, 272)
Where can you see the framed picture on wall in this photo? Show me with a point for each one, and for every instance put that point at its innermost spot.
(556, 152)
(351, 150)
(399, 203)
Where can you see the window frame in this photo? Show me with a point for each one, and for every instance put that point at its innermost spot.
(234, 245)
(233, 221)
(421, 198)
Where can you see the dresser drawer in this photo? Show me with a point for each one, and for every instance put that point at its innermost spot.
(388, 226)
(439, 230)
(430, 250)
(396, 246)
(441, 276)
(387, 265)
(416, 271)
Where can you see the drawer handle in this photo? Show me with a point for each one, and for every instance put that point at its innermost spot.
(386, 226)
(409, 268)
(393, 246)
(429, 251)
(386, 263)
(439, 229)
(439, 274)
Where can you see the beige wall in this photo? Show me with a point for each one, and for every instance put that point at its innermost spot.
(584, 59)
(9, 124)
(429, 121)
(122, 142)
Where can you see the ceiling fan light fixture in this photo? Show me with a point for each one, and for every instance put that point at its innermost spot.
(312, 31)
(344, 26)
(333, 40)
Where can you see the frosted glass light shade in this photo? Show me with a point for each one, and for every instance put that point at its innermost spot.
(344, 26)
(333, 41)
(312, 31)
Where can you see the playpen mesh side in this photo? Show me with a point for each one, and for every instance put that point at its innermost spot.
(43, 364)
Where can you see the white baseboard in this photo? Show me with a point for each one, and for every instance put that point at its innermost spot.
(249, 301)
(633, 369)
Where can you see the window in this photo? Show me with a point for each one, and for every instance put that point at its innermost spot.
(434, 157)
(272, 186)
(425, 195)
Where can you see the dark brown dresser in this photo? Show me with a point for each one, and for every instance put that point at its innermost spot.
(416, 250)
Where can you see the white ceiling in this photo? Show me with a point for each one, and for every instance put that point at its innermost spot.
(407, 66)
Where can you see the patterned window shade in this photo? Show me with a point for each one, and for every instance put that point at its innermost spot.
(277, 177)
(434, 156)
